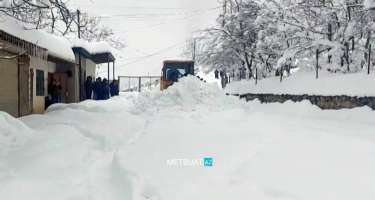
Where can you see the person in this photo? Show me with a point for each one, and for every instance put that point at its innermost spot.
(89, 86)
(221, 74)
(105, 90)
(114, 87)
(224, 78)
(58, 92)
(49, 98)
(173, 75)
(54, 89)
(96, 88)
(216, 74)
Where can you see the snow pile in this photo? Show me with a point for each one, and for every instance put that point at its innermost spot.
(300, 83)
(57, 46)
(13, 134)
(369, 4)
(186, 95)
(119, 149)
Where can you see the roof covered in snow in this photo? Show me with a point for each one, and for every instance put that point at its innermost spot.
(57, 46)
(92, 47)
(99, 52)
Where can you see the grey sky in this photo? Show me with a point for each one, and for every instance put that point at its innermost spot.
(151, 26)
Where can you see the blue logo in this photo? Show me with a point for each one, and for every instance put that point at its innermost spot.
(208, 162)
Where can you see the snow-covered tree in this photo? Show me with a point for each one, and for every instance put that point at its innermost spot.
(274, 35)
(56, 17)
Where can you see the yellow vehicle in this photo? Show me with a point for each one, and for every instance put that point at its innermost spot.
(173, 70)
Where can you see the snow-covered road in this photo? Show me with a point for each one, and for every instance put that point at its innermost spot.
(123, 148)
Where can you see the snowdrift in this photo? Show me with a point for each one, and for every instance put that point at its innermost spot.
(119, 149)
(13, 133)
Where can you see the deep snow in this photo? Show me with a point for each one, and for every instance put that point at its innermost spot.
(119, 149)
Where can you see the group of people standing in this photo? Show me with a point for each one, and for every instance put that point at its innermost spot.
(101, 89)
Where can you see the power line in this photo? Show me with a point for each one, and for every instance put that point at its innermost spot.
(140, 59)
(137, 7)
(148, 15)
(150, 27)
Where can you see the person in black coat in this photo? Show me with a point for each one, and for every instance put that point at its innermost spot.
(105, 90)
(173, 75)
(89, 86)
(114, 87)
(96, 88)
(216, 74)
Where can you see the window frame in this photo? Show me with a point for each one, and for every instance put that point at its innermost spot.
(40, 83)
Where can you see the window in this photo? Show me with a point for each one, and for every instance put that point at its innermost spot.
(39, 83)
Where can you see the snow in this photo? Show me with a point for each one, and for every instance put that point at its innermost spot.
(14, 133)
(92, 47)
(118, 149)
(369, 4)
(300, 83)
(57, 46)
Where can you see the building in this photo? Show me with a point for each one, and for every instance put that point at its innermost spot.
(18, 87)
(31, 60)
(88, 56)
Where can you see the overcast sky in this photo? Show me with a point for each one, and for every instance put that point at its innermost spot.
(151, 27)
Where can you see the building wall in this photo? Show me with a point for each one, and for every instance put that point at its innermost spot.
(39, 101)
(51, 67)
(69, 71)
(8, 85)
(323, 102)
(90, 68)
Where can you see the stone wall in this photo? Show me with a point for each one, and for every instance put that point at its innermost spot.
(323, 102)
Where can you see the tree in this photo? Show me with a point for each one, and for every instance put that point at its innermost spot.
(57, 18)
(275, 35)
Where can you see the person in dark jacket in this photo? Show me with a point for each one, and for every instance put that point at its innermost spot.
(173, 75)
(216, 74)
(89, 86)
(55, 89)
(114, 87)
(96, 88)
(105, 90)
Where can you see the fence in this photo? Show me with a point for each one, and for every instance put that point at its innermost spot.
(138, 83)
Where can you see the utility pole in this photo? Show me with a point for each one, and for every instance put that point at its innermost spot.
(317, 64)
(79, 23)
(79, 57)
(369, 59)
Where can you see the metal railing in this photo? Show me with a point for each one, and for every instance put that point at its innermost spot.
(138, 83)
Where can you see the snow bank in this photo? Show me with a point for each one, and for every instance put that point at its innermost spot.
(13, 133)
(186, 95)
(57, 46)
(119, 149)
(356, 84)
